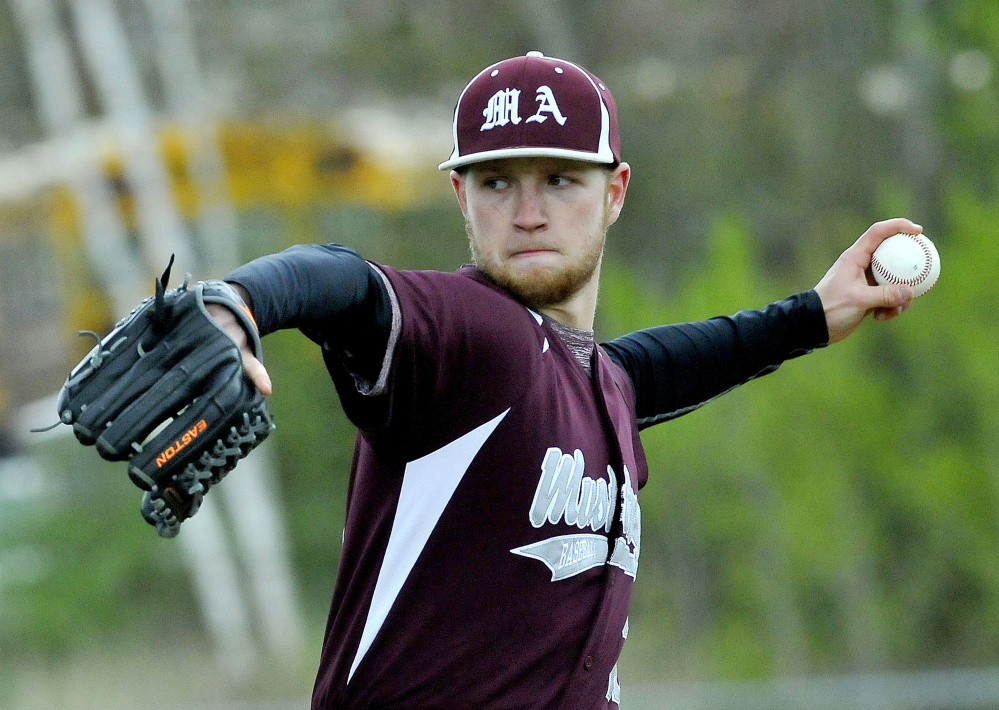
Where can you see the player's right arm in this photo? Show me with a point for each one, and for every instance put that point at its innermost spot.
(848, 292)
(676, 369)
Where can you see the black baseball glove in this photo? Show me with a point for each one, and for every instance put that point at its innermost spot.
(166, 391)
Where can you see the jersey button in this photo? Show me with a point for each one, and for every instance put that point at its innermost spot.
(588, 662)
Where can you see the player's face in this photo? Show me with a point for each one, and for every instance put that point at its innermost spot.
(537, 226)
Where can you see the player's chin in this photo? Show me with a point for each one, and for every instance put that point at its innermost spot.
(540, 287)
(533, 270)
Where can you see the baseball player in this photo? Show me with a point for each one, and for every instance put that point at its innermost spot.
(493, 527)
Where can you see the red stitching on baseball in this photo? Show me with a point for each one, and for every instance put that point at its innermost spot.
(915, 280)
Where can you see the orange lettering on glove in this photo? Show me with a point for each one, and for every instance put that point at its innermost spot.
(181, 443)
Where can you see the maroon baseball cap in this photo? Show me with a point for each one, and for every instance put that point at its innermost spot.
(535, 106)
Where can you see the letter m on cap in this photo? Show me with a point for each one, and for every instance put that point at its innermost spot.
(503, 108)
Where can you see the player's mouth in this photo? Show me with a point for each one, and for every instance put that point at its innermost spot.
(534, 251)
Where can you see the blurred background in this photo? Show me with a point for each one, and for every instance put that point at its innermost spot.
(826, 537)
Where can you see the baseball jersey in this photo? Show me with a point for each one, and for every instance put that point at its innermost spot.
(493, 528)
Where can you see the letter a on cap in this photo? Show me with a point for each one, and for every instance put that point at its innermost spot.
(547, 105)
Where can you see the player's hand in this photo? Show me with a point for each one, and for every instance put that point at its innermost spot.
(254, 368)
(848, 291)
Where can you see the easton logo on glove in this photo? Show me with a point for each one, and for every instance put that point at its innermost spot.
(166, 391)
(182, 443)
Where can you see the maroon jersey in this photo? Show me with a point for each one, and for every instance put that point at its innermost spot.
(493, 525)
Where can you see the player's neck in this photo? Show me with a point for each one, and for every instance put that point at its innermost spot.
(579, 310)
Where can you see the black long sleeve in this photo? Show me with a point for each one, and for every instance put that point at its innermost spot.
(340, 301)
(330, 293)
(677, 368)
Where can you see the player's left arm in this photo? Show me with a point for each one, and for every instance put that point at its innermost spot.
(847, 291)
(228, 321)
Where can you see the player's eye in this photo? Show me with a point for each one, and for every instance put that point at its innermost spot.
(559, 180)
(495, 183)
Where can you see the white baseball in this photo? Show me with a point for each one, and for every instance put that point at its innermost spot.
(909, 259)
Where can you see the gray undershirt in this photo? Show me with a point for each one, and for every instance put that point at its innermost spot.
(579, 342)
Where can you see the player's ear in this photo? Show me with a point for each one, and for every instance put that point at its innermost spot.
(617, 188)
(458, 183)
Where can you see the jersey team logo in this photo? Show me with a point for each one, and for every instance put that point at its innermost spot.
(564, 493)
(503, 108)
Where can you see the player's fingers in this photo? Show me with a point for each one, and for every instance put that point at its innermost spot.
(257, 373)
(254, 369)
(889, 301)
(879, 231)
(887, 313)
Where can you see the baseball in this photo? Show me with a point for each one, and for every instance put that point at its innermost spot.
(909, 259)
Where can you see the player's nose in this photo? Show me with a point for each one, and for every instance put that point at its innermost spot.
(531, 214)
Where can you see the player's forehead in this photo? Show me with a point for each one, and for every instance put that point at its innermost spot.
(534, 165)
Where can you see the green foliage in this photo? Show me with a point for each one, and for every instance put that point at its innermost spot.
(98, 570)
(839, 514)
(314, 446)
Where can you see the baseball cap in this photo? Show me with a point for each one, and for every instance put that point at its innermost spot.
(535, 106)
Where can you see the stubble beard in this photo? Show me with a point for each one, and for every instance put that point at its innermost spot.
(541, 287)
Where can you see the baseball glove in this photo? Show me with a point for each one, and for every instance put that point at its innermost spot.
(166, 391)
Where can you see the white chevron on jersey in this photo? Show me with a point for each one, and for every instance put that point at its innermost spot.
(540, 319)
(427, 485)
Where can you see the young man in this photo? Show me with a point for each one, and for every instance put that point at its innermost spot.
(493, 528)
